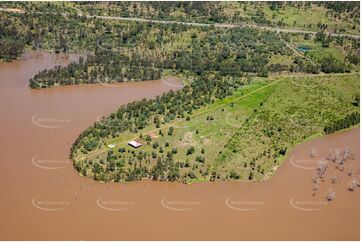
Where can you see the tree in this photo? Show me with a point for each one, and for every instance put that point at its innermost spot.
(170, 131)
(250, 177)
(190, 150)
(155, 145)
(200, 159)
(235, 175)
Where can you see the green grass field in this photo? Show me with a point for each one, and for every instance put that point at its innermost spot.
(297, 109)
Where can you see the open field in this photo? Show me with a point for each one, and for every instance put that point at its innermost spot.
(299, 108)
(245, 136)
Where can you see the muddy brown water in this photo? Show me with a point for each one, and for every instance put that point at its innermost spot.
(43, 198)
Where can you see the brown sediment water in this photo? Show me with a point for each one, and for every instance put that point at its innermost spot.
(44, 198)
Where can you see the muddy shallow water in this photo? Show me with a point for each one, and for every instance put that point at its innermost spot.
(43, 197)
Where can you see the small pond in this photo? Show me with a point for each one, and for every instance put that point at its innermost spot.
(304, 48)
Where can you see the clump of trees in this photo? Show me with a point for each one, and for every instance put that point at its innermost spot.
(103, 67)
(346, 122)
(12, 41)
(332, 65)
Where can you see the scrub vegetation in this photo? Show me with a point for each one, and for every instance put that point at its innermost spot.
(244, 136)
(117, 51)
(335, 16)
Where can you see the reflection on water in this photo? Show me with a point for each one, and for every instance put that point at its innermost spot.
(304, 48)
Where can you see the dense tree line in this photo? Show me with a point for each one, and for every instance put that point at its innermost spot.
(228, 52)
(344, 6)
(332, 65)
(12, 41)
(103, 67)
(344, 123)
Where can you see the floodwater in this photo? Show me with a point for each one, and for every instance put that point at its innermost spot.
(304, 49)
(43, 197)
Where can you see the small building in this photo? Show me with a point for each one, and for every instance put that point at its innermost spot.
(111, 145)
(134, 144)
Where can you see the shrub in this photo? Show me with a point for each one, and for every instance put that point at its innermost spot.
(234, 175)
(190, 151)
(170, 131)
(155, 145)
(200, 159)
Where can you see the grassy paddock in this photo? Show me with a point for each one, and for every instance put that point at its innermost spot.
(299, 108)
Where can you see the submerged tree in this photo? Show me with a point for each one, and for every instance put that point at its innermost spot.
(331, 195)
(352, 185)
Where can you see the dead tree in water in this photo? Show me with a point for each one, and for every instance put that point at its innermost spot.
(315, 189)
(331, 195)
(313, 152)
(321, 170)
(348, 153)
(340, 167)
(329, 156)
(350, 171)
(315, 179)
(336, 156)
(352, 185)
(336, 179)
